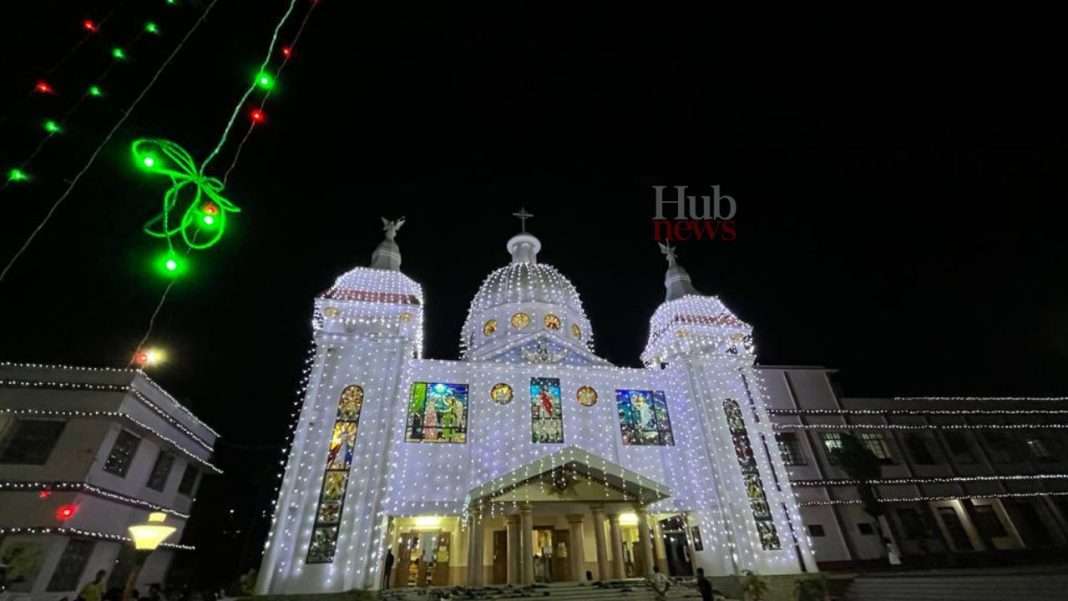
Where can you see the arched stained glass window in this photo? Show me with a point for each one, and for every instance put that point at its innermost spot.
(338, 462)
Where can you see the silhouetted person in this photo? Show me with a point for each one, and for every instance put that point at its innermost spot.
(94, 591)
(389, 566)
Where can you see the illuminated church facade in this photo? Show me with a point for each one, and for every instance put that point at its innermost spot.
(530, 459)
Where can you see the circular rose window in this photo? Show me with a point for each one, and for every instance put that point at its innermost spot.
(587, 396)
(520, 321)
(501, 393)
(552, 322)
(489, 327)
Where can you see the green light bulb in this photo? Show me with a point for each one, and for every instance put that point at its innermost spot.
(171, 265)
(209, 220)
(151, 27)
(95, 91)
(52, 127)
(148, 162)
(17, 175)
(264, 80)
(118, 54)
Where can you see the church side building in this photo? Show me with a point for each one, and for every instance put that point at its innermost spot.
(531, 459)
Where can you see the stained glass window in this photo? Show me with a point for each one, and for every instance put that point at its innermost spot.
(552, 322)
(576, 331)
(546, 410)
(586, 396)
(643, 417)
(338, 461)
(501, 393)
(754, 487)
(520, 321)
(437, 412)
(489, 327)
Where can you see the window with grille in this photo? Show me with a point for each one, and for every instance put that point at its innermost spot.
(30, 441)
(919, 450)
(188, 481)
(122, 454)
(71, 565)
(157, 480)
(790, 448)
(832, 441)
(876, 443)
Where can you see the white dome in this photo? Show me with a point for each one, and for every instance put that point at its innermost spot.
(522, 299)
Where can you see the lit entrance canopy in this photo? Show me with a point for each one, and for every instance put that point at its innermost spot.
(573, 460)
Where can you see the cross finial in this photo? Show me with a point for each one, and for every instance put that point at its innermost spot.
(523, 215)
(669, 252)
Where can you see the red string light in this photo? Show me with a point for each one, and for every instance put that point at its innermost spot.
(90, 26)
(43, 87)
(257, 116)
(44, 494)
(66, 512)
(287, 51)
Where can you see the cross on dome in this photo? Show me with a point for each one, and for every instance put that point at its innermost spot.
(523, 215)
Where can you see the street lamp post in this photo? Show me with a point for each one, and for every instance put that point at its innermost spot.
(146, 538)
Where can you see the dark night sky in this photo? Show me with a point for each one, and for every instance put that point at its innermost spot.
(900, 192)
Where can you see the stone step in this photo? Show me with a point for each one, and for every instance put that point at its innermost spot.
(977, 586)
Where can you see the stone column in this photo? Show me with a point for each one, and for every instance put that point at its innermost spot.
(602, 547)
(514, 569)
(472, 547)
(526, 555)
(617, 546)
(578, 547)
(645, 542)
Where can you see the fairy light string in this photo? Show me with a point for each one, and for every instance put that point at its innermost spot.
(107, 138)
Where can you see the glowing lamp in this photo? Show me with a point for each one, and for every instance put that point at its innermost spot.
(427, 522)
(17, 175)
(43, 87)
(90, 26)
(66, 512)
(628, 519)
(148, 536)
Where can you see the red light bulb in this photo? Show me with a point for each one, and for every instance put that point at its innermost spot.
(90, 25)
(210, 209)
(141, 358)
(44, 494)
(287, 51)
(257, 116)
(43, 87)
(66, 512)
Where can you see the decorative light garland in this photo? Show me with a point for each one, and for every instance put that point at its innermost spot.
(85, 487)
(35, 530)
(918, 412)
(981, 398)
(123, 388)
(113, 370)
(791, 427)
(927, 480)
(928, 499)
(203, 219)
(118, 414)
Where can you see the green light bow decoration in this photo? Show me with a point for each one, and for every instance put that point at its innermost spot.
(198, 198)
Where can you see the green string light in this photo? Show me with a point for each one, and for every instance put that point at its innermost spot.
(265, 80)
(17, 175)
(152, 28)
(52, 127)
(118, 54)
(194, 209)
(95, 91)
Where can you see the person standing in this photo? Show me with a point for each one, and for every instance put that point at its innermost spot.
(703, 585)
(389, 566)
(659, 583)
(94, 591)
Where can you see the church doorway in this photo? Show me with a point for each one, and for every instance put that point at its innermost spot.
(423, 559)
(500, 557)
(676, 547)
(551, 553)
